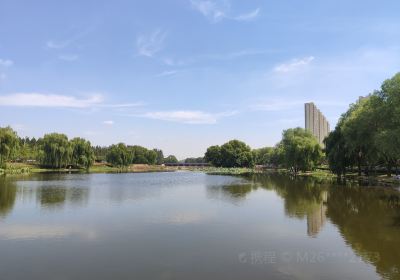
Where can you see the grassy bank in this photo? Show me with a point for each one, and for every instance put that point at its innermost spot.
(23, 168)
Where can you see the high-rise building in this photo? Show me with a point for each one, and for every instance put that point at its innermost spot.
(316, 123)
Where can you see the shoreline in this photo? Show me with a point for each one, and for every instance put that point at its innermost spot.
(325, 175)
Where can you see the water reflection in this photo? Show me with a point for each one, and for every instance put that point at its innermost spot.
(233, 193)
(303, 199)
(368, 220)
(8, 193)
(127, 217)
(57, 196)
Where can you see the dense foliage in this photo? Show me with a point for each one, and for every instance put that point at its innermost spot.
(171, 159)
(368, 134)
(8, 144)
(234, 153)
(119, 155)
(194, 160)
(82, 153)
(301, 150)
(55, 150)
(298, 151)
(141, 155)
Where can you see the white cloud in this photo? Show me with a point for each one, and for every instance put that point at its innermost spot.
(108, 122)
(293, 65)
(122, 105)
(249, 16)
(187, 117)
(51, 44)
(217, 10)
(34, 99)
(68, 57)
(48, 100)
(226, 56)
(167, 73)
(151, 44)
(61, 44)
(6, 62)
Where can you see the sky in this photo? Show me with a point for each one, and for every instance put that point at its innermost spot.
(182, 75)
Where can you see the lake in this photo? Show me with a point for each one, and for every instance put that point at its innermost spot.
(188, 225)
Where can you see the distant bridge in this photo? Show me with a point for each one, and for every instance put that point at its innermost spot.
(182, 164)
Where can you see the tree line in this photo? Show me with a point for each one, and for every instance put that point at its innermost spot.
(367, 136)
(297, 151)
(57, 151)
(366, 139)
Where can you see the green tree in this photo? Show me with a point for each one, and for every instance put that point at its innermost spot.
(213, 156)
(263, 156)
(236, 153)
(160, 156)
(302, 151)
(100, 153)
(359, 126)
(194, 160)
(119, 155)
(55, 150)
(141, 155)
(82, 153)
(387, 138)
(171, 159)
(338, 155)
(8, 145)
(277, 156)
(151, 157)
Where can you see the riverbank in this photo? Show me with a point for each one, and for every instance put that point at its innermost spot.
(324, 175)
(24, 168)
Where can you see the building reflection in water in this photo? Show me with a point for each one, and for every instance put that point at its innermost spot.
(316, 219)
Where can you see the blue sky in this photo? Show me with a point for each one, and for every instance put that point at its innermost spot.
(182, 75)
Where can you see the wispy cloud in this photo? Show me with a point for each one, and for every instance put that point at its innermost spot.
(149, 45)
(215, 56)
(276, 105)
(48, 100)
(65, 43)
(167, 73)
(248, 16)
(213, 10)
(217, 10)
(34, 99)
(293, 65)
(51, 44)
(68, 57)
(108, 122)
(187, 116)
(6, 62)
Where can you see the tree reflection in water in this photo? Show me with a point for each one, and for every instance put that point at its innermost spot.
(8, 193)
(368, 218)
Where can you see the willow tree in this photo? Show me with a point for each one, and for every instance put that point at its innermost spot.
(8, 144)
(55, 150)
(119, 155)
(301, 150)
(82, 153)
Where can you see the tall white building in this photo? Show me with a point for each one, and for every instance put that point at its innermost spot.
(316, 123)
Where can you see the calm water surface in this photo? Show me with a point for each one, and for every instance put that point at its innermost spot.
(187, 225)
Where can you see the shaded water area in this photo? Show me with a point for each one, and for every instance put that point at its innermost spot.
(186, 225)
